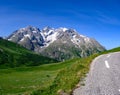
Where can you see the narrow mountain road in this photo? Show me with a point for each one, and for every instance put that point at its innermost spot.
(103, 78)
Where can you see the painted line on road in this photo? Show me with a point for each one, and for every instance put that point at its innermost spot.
(106, 64)
(119, 90)
(108, 55)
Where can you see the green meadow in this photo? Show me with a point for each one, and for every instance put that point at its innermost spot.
(46, 79)
(23, 72)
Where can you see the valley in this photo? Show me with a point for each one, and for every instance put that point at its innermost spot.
(59, 47)
(27, 72)
(46, 79)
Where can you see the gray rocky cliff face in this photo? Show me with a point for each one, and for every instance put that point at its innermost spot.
(61, 43)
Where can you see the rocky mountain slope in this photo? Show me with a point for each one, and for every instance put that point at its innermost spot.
(61, 43)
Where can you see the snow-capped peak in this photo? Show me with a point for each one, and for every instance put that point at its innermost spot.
(27, 35)
(64, 29)
(55, 42)
(51, 38)
(82, 36)
(34, 31)
(47, 28)
(22, 30)
(48, 35)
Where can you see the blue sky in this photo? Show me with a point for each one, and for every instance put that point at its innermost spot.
(99, 19)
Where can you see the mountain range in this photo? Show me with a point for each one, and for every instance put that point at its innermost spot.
(60, 43)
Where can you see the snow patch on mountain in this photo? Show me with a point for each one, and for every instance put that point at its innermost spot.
(43, 35)
(51, 37)
(82, 36)
(10, 39)
(34, 31)
(22, 40)
(75, 40)
(86, 39)
(27, 35)
(50, 32)
(22, 30)
(64, 29)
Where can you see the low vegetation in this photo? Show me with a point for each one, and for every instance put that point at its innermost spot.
(16, 81)
(14, 55)
(68, 78)
(112, 50)
(47, 79)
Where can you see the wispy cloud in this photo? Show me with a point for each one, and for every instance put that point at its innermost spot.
(107, 19)
(96, 16)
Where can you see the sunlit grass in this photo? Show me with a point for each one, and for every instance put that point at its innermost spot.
(27, 79)
(48, 79)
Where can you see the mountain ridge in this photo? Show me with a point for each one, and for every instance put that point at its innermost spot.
(61, 43)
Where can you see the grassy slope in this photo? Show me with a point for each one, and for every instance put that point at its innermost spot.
(13, 55)
(112, 50)
(45, 79)
(67, 79)
(49, 79)
(26, 79)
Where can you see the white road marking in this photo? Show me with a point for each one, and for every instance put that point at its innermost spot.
(119, 90)
(106, 64)
(109, 55)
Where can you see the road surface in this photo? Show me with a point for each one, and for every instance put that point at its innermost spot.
(103, 78)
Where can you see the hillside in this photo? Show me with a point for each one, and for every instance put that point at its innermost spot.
(48, 79)
(14, 55)
(69, 78)
(112, 50)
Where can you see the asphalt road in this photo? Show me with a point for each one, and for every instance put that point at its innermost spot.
(103, 78)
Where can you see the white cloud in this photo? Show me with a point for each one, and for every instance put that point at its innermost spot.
(107, 19)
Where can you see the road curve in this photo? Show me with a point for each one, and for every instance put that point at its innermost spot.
(103, 78)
